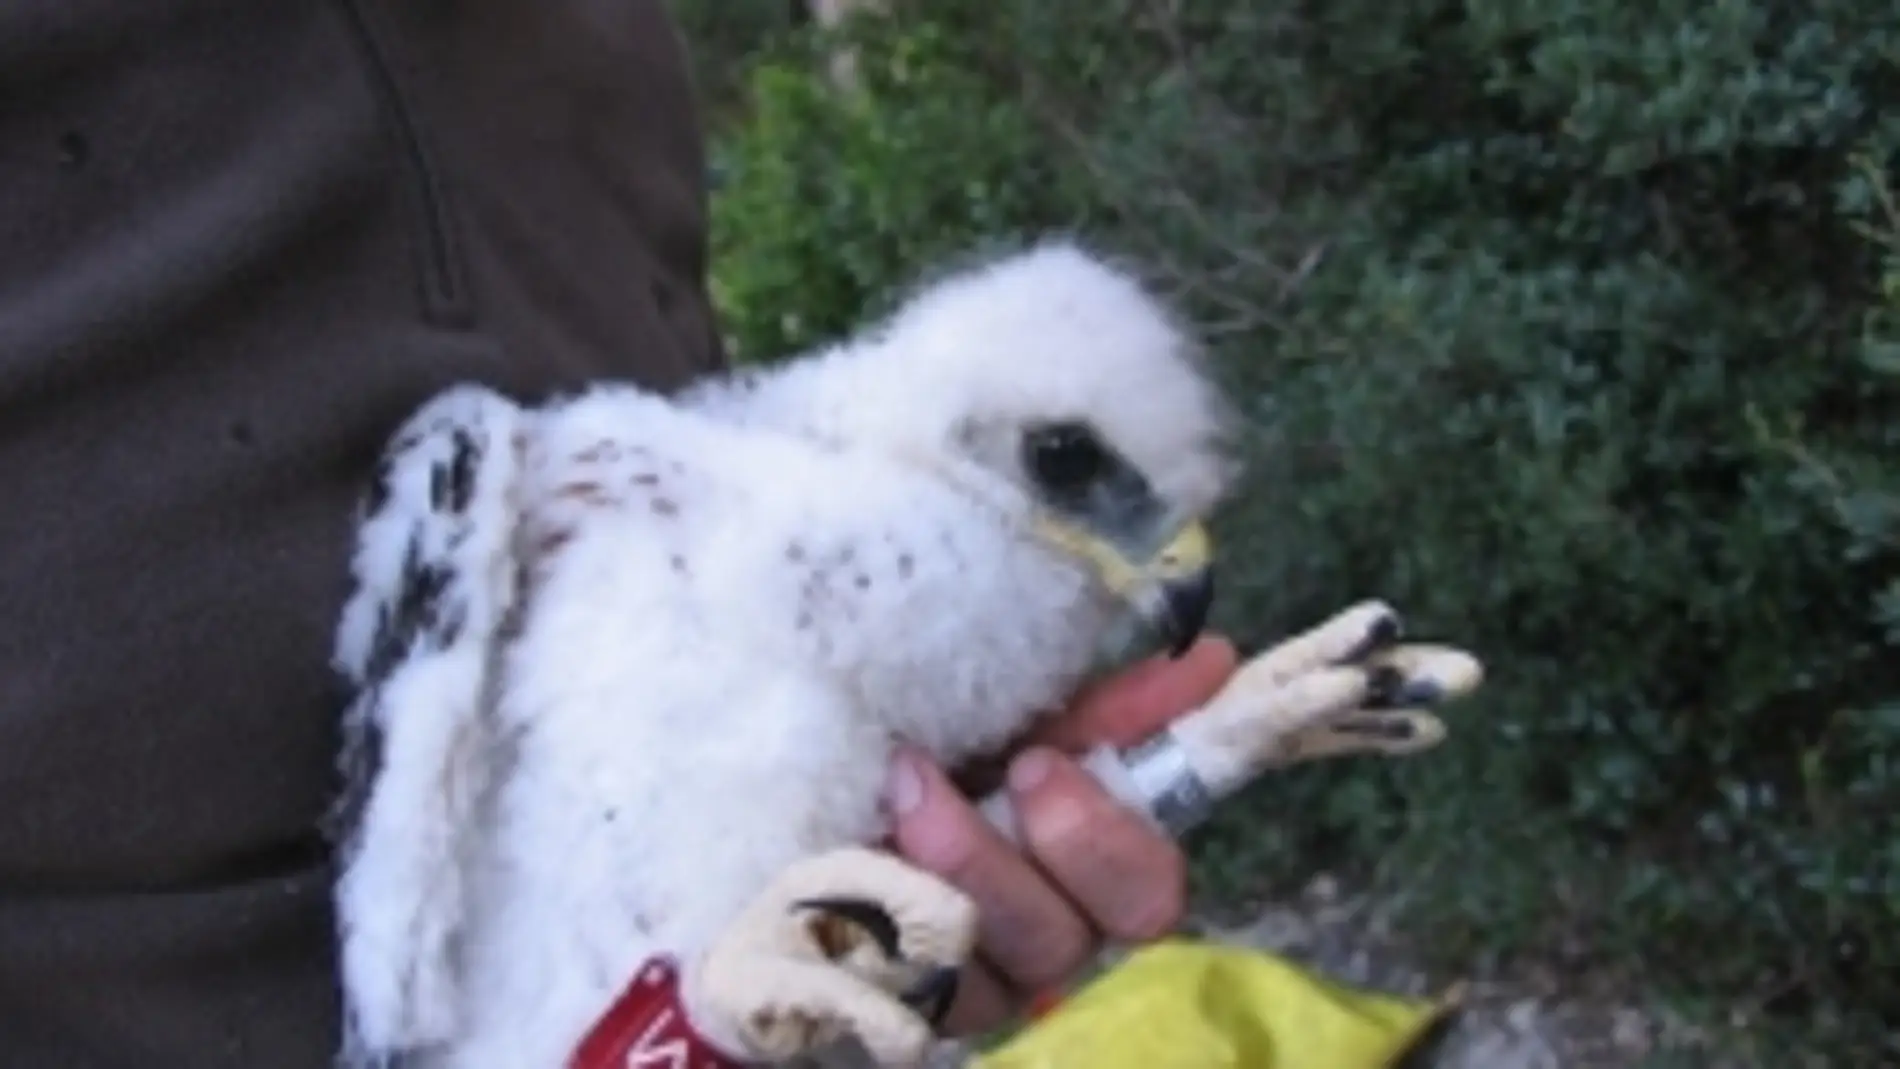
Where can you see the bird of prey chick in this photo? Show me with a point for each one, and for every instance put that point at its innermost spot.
(624, 663)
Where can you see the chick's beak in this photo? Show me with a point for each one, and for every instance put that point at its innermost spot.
(1172, 591)
(1182, 576)
(1187, 604)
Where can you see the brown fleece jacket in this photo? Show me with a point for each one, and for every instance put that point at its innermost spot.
(239, 241)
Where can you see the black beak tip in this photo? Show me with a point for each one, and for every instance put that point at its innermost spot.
(1189, 604)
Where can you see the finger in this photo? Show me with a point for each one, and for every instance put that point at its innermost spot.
(1134, 704)
(1348, 637)
(1128, 878)
(983, 1003)
(1024, 925)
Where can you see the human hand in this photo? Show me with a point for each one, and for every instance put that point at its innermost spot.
(1089, 869)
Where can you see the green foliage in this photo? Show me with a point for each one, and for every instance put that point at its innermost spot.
(1571, 328)
(832, 198)
(723, 35)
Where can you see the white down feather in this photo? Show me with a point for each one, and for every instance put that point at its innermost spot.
(725, 610)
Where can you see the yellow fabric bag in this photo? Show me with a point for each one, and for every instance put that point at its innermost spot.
(1186, 1004)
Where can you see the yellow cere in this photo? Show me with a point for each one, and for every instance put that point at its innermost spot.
(1189, 551)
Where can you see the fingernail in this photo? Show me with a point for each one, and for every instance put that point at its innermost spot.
(904, 789)
(1027, 772)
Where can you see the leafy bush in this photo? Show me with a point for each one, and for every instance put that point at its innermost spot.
(1563, 327)
(723, 36)
(832, 198)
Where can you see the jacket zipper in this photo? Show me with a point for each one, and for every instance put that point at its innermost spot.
(444, 296)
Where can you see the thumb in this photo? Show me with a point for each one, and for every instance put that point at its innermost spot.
(1139, 701)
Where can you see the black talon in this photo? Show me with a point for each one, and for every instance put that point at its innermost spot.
(1383, 685)
(1409, 694)
(933, 995)
(876, 921)
(1384, 633)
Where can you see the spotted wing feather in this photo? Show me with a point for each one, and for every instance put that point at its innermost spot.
(435, 582)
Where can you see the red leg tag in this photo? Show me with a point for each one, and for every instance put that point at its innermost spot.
(647, 1028)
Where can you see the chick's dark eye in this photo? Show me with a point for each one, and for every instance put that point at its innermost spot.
(1065, 456)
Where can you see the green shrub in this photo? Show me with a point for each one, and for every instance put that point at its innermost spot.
(724, 36)
(1563, 328)
(832, 198)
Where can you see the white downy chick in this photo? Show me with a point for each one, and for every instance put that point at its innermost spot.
(621, 659)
